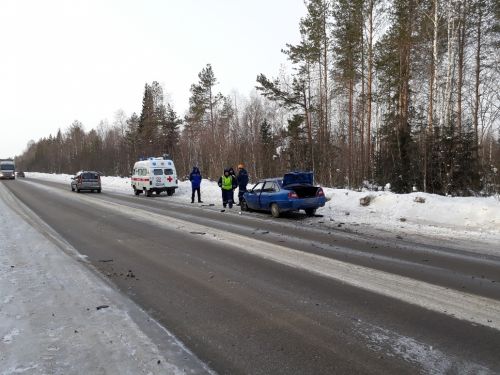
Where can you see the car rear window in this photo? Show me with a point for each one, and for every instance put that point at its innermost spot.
(169, 172)
(157, 172)
(90, 176)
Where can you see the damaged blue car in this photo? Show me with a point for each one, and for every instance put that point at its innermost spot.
(294, 192)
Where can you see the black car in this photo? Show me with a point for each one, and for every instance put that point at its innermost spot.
(20, 174)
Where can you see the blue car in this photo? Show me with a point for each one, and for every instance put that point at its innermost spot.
(294, 192)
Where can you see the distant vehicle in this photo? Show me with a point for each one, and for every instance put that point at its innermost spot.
(7, 170)
(294, 192)
(20, 174)
(154, 175)
(86, 180)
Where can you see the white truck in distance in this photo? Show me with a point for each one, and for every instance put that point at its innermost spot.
(154, 175)
(7, 170)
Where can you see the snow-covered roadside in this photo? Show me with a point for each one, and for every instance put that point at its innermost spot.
(57, 317)
(443, 218)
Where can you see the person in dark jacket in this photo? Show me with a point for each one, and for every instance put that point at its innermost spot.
(195, 178)
(231, 172)
(242, 182)
(227, 183)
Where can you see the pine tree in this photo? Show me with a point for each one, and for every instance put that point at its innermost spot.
(202, 123)
(147, 123)
(394, 64)
(348, 34)
(203, 101)
(170, 129)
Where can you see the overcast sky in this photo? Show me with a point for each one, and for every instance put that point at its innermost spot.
(66, 60)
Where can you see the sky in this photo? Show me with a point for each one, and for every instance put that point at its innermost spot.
(67, 60)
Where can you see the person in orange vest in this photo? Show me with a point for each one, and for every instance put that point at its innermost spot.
(228, 183)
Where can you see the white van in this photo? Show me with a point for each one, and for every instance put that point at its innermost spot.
(154, 175)
(7, 170)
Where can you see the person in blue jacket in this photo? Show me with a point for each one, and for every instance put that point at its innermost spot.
(242, 182)
(195, 178)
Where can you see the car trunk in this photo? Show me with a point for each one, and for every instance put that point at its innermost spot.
(301, 183)
(303, 191)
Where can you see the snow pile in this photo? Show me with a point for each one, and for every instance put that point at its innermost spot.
(472, 218)
(386, 208)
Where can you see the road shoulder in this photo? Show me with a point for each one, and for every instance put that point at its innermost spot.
(57, 316)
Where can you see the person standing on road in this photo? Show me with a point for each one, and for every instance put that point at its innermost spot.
(195, 178)
(227, 183)
(242, 182)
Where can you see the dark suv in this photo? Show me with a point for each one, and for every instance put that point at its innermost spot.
(86, 180)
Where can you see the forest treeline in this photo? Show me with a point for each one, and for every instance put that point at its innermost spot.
(400, 92)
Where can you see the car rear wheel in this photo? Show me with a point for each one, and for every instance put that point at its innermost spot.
(98, 190)
(310, 211)
(72, 188)
(275, 210)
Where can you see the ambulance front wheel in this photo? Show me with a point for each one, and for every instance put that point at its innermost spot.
(149, 193)
(170, 192)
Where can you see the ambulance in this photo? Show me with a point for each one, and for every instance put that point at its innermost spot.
(154, 175)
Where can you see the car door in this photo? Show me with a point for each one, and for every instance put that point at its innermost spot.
(266, 195)
(170, 178)
(142, 177)
(73, 182)
(159, 178)
(252, 196)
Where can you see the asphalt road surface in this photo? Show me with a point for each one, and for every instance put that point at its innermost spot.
(249, 294)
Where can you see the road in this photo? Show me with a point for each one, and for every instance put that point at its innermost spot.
(249, 294)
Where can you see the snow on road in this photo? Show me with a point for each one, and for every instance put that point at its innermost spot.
(443, 218)
(58, 317)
